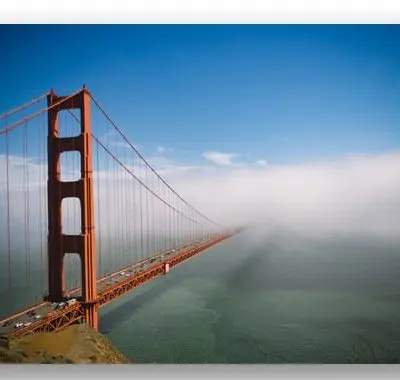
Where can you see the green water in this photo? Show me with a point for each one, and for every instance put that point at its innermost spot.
(279, 298)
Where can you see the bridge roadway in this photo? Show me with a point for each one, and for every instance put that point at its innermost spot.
(108, 288)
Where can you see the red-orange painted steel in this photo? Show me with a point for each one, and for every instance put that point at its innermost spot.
(54, 321)
(58, 319)
(58, 243)
(83, 244)
(123, 287)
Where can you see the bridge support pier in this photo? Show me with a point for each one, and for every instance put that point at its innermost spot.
(60, 244)
(92, 315)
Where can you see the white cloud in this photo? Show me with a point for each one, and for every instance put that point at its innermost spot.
(356, 195)
(112, 139)
(162, 149)
(219, 158)
(160, 162)
(121, 144)
(359, 194)
(261, 163)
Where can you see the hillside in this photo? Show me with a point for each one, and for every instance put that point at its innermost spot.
(77, 344)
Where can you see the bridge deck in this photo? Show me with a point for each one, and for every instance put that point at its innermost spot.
(45, 317)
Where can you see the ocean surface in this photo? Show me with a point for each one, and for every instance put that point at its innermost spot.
(276, 297)
(260, 297)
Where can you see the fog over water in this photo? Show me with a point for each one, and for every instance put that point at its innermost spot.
(314, 279)
(281, 298)
(314, 274)
(356, 194)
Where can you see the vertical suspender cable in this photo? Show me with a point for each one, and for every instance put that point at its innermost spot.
(134, 212)
(10, 295)
(40, 222)
(23, 191)
(161, 219)
(141, 222)
(127, 248)
(27, 220)
(116, 231)
(107, 197)
(171, 224)
(99, 220)
(116, 219)
(125, 210)
(153, 221)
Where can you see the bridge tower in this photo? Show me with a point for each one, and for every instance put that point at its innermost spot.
(60, 244)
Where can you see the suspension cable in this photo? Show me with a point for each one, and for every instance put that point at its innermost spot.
(23, 106)
(138, 180)
(40, 112)
(148, 164)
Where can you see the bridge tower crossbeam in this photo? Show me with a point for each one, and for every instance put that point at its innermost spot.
(60, 244)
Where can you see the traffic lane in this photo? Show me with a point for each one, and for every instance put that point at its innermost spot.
(42, 310)
(39, 313)
(136, 269)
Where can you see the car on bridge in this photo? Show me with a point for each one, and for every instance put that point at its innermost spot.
(71, 301)
(31, 313)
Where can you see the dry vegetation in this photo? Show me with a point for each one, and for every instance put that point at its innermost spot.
(77, 344)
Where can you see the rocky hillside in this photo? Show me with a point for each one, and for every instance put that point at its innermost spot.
(77, 344)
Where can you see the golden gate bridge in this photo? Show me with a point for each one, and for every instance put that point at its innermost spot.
(84, 217)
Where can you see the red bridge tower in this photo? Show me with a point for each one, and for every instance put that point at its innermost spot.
(60, 244)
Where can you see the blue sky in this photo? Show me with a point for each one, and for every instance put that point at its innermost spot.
(278, 93)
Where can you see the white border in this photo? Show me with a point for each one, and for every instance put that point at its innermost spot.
(184, 372)
(200, 11)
